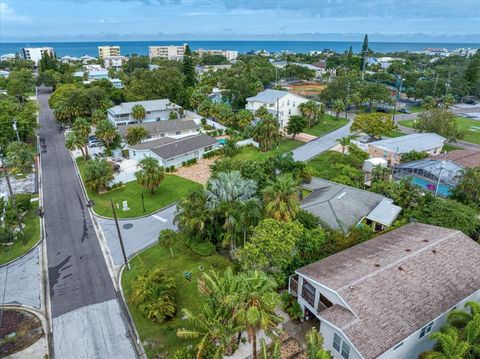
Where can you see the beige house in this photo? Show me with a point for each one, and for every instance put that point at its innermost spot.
(106, 51)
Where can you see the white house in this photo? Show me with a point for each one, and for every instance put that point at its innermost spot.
(382, 298)
(173, 151)
(159, 129)
(229, 54)
(35, 54)
(282, 104)
(7, 57)
(155, 110)
(114, 61)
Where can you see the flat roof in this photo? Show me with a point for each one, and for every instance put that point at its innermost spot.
(397, 283)
(125, 108)
(414, 142)
(158, 127)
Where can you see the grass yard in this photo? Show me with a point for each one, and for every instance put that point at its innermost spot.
(32, 235)
(469, 127)
(396, 134)
(321, 166)
(327, 124)
(253, 153)
(162, 338)
(170, 191)
(449, 147)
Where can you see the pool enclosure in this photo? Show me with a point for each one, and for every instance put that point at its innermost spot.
(429, 174)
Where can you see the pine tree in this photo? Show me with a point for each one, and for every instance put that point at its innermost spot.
(188, 68)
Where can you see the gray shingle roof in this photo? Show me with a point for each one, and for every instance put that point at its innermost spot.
(268, 96)
(385, 212)
(159, 127)
(167, 147)
(415, 142)
(398, 282)
(125, 108)
(337, 205)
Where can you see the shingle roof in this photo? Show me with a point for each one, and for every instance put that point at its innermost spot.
(397, 283)
(268, 96)
(125, 108)
(337, 205)
(415, 142)
(464, 158)
(385, 212)
(167, 147)
(159, 127)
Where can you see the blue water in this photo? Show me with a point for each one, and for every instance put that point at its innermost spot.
(141, 47)
(221, 141)
(443, 190)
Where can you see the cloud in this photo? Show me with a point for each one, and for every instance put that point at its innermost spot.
(7, 14)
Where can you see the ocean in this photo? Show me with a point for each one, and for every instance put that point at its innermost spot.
(141, 47)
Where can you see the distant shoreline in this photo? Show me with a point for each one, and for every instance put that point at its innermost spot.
(80, 48)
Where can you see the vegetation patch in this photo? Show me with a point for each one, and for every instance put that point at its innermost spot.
(253, 153)
(326, 124)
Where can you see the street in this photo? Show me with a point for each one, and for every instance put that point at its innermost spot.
(79, 282)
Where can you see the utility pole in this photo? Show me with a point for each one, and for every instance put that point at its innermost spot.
(397, 97)
(14, 202)
(120, 236)
(16, 129)
(442, 166)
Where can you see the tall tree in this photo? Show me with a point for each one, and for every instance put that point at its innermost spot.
(468, 189)
(166, 238)
(441, 122)
(20, 156)
(193, 218)
(107, 133)
(281, 198)
(266, 133)
(151, 174)
(189, 68)
(82, 129)
(310, 110)
(296, 124)
(98, 173)
(74, 142)
(136, 134)
(374, 125)
(338, 106)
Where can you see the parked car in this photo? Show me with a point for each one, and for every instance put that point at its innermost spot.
(382, 109)
(471, 102)
(404, 110)
(94, 143)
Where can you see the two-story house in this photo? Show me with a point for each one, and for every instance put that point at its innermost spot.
(282, 104)
(159, 129)
(382, 298)
(155, 110)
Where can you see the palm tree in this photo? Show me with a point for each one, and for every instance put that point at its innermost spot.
(243, 118)
(281, 198)
(82, 129)
(274, 352)
(107, 133)
(224, 193)
(254, 305)
(449, 344)
(151, 174)
(266, 132)
(338, 106)
(166, 238)
(310, 110)
(98, 173)
(135, 135)
(261, 113)
(315, 345)
(138, 113)
(448, 101)
(192, 217)
(97, 116)
(249, 213)
(74, 142)
(344, 142)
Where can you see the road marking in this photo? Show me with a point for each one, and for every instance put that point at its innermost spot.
(161, 219)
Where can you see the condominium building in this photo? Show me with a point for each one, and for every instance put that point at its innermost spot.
(36, 53)
(107, 51)
(229, 54)
(170, 52)
(114, 61)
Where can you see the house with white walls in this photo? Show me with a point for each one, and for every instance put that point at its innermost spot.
(155, 110)
(281, 104)
(159, 129)
(382, 298)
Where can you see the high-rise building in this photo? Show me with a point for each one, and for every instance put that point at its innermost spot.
(229, 54)
(107, 51)
(36, 53)
(170, 52)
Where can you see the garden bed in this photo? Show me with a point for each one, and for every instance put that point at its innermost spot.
(20, 329)
(161, 338)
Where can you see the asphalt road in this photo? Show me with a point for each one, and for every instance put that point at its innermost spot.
(78, 275)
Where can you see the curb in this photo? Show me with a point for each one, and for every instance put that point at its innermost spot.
(27, 252)
(134, 218)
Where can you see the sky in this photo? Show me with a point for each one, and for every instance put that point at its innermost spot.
(57, 20)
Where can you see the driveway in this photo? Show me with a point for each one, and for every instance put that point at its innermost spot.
(137, 233)
(81, 288)
(20, 280)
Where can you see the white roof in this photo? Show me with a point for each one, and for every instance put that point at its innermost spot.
(125, 108)
(415, 142)
(385, 212)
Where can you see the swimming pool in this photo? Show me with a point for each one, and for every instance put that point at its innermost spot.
(443, 190)
(221, 140)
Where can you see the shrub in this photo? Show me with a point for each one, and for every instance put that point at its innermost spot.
(291, 306)
(172, 168)
(155, 294)
(167, 169)
(203, 249)
(23, 201)
(184, 163)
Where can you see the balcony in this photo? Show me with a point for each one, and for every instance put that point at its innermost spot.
(308, 295)
(294, 285)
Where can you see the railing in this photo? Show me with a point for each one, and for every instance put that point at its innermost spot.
(308, 296)
(294, 286)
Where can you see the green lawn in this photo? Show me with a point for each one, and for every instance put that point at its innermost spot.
(32, 235)
(162, 337)
(170, 191)
(253, 153)
(321, 166)
(415, 109)
(469, 127)
(449, 147)
(327, 124)
(396, 134)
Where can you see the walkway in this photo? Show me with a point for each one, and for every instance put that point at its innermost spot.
(87, 319)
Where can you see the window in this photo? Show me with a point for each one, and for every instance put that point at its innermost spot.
(345, 350)
(178, 133)
(425, 330)
(336, 342)
(207, 148)
(398, 346)
(325, 301)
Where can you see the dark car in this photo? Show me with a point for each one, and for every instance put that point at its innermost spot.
(471, 102)
(382, 109)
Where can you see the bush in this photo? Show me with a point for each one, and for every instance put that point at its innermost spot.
(203, 249)
(23, 201)
(212, 153)
(184, 163)
(155, 294)
(167, 169)
(291, 306)
(172, 168)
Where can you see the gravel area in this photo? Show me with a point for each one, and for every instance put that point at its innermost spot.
(200, 172)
